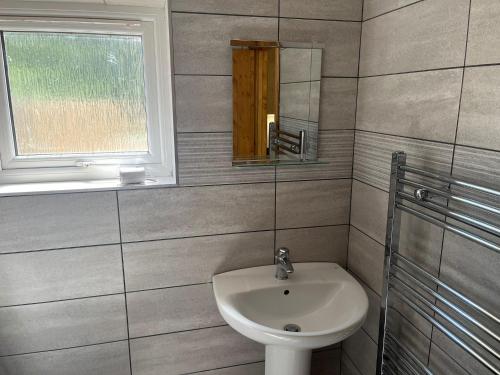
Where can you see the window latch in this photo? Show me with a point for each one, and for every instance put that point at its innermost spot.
(84, 163)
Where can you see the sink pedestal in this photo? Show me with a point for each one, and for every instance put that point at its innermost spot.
(286, 360)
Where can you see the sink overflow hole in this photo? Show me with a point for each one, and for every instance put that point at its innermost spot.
(286, 292)
(292, 328)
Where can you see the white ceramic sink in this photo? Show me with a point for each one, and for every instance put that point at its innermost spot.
(325, 301)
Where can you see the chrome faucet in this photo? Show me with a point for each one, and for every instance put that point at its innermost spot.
(283, 264)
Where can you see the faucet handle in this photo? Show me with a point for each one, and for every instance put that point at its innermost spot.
(283, 252)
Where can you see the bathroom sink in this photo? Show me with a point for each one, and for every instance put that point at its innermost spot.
(318, 305)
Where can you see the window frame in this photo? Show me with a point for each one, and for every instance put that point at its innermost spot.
(149, 23)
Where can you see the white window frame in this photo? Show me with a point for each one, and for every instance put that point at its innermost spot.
(149, 23)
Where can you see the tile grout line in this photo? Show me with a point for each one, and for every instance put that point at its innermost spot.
(392, 10)
(124, 284)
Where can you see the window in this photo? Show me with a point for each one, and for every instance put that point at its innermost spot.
(80, 98)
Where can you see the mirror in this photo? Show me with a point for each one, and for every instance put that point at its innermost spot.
(276, 91)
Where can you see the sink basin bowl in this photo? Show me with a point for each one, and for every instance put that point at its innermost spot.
(322, 299)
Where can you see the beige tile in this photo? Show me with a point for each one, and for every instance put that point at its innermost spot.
(337, 103)
(157, 264)
(294, 100)
(203, 103)
(371, 324)
(372, 8)
(348, 367)
(479, 111)
(243, 7)
(321, 244)
(369, 210)
(58, 221)
(172, 310)
(181, 212)
(192, 351)
(60, 274)
(58, 325)
(250, 369)
(201, 41)
(295, 65)
(440, 363)
(109, 359)
(483, 46)
(419, 105)
(361, 348)
(430, 34)
(312, 203)
(349, 10)
(341, 41)
(366, 259)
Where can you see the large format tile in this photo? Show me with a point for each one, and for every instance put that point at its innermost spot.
(361, 348)
(247, 369)
(479, 111)
(320, 244)
(430, 35)
(201, 42)
(340, 39)
(203, 103)
(366, 259)
(373, 156)
(369, 210)
(243, 7)
(295, 100)
(372, 8)
(419, 105)
(60, 274)
(157, 264)
(108, 359)
(371, 324)
(57, 325)
(334, 150)
(171, 310)
(204, 349)
(440, 363)
(58, 221)
(181, 212)
(338, 103)
(348, 367)
(476, 164)
(349, 10)
(206, 158)
(312, 203)
(483, 46)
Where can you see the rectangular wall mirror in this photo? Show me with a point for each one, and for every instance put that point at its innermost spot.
(276, 96)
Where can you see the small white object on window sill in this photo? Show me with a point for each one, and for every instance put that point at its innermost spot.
(132, 175)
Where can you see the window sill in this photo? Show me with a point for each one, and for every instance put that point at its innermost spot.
(7, 190)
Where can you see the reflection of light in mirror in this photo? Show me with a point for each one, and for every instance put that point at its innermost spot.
(270, 119)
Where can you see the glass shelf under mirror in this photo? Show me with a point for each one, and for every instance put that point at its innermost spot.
(266, 162)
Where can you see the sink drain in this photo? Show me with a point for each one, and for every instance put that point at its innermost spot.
(292, 328)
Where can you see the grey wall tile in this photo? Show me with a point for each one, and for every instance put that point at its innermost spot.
(338, 103)
(256, 7)
(484, 33)
(479, 111)
(201, 42)
(192, 351)
(206, 158)
(157, 264)
(295, 65)
(372, 8)
(476, 164)
(371, 324)
(57, 325)
(60, 274)
(175, 212)
(203, 103)
(361, 348)
(294, 100)
(58, 221)
(441, 364)
(420, 105)
(322, 9)
(341, 40)
(312, 203)
(369, 210)
(250, 369)
(314, 101)
(321, 244)
(334, 149)
(171, 310)
(109, 359)
(326, 362)
(373, 155)
(348, 367)
(431, 34)
(366, 259)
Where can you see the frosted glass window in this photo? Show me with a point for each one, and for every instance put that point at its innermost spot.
(76, 93)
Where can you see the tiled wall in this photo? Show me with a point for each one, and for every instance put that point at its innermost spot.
(119, 282)
(429, 85)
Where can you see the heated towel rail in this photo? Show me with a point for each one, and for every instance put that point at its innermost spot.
(409, 286)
